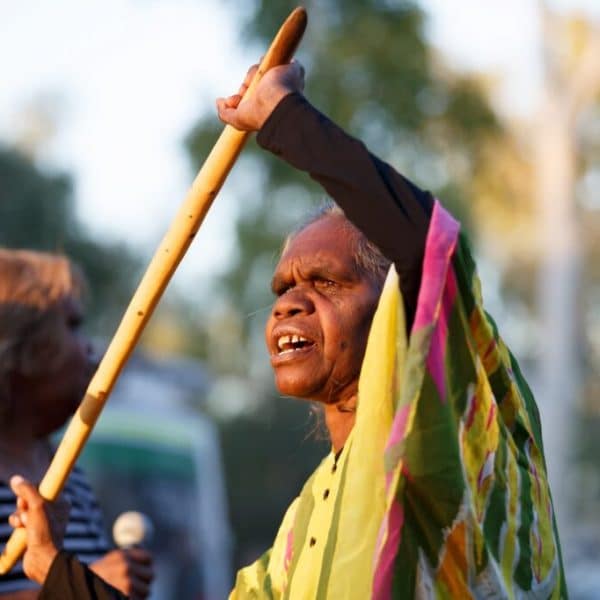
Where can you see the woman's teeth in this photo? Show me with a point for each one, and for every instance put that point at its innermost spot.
(289, 343)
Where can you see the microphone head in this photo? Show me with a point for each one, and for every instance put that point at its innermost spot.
(132, 528)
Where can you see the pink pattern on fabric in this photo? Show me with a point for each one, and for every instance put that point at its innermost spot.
(473, 405)
(437, 350)
(382, 580)
(440, 244)
(399, 426)
(536, 476)
(436, 297)
(289, 550)
(491, 416)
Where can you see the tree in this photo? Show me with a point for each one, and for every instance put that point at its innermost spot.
(37, 212)
(571, 55)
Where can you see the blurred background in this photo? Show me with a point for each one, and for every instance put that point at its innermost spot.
(106, 113)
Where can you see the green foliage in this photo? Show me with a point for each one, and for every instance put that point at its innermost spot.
(37, 211)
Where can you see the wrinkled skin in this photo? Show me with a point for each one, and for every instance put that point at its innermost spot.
(328, 302)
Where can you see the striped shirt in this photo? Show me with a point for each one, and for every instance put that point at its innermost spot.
(85, 535)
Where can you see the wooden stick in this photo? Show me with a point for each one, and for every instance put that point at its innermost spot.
(162, 266)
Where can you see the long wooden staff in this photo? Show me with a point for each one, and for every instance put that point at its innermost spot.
(162, 266)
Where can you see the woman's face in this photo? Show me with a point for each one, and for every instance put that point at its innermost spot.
(49, 398)
(318, 327)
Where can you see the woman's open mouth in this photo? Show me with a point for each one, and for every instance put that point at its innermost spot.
(290, 346)
(292, 343)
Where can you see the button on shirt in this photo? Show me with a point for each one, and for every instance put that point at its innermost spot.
(317, 543)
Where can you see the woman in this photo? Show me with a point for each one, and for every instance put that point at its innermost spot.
(45, 365)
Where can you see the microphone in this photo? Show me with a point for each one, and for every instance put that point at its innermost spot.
(131, 529)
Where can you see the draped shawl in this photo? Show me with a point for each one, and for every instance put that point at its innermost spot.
(441, 489)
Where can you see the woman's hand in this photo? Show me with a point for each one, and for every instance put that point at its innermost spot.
(130, 571)
(250, 114)
(45, 524)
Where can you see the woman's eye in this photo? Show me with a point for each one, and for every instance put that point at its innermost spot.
(282, 290)
(74, 323)
(325, 283)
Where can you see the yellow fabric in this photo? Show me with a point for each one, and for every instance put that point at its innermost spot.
(344, 525)
(306, 576)
(364, 498)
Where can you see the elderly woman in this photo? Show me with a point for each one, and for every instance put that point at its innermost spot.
(436, 483)
(435, 486)
(45, 365)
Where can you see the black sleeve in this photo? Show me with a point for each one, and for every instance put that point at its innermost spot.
(69, 579)
(390, 210)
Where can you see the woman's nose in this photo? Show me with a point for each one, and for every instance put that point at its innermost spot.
(292, 303)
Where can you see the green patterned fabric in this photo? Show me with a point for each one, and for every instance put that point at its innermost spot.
(441, 490)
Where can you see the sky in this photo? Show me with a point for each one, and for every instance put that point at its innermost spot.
(124, 80)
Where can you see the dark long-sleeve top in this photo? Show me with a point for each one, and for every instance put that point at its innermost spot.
(69, 579)
(391, 211)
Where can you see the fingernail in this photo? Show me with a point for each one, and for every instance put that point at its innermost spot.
(16, 480)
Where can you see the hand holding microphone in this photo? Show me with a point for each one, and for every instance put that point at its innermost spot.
(132, 529)
(129, 569)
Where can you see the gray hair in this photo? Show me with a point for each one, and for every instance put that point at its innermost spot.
(367, 256)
